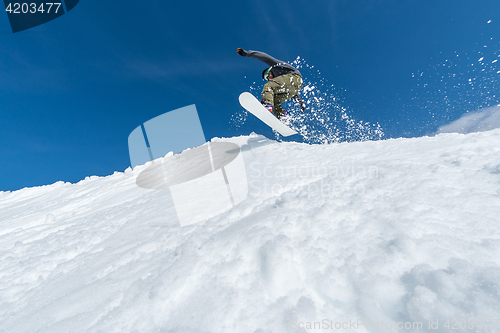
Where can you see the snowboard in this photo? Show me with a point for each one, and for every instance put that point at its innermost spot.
(252, 104)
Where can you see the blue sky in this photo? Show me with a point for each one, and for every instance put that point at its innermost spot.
(73, 89)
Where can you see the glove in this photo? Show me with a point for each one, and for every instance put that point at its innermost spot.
(241, 52)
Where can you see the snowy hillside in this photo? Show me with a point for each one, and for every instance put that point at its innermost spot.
(355, 237)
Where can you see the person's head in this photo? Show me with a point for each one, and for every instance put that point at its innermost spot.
(267, 74)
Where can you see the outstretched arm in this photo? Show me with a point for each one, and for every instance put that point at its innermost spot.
(264, 57)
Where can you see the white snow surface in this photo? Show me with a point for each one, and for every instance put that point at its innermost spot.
(399, 231)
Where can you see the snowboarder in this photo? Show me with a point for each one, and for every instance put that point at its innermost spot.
(283, 82)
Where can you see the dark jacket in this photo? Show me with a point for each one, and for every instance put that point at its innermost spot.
(278, 67)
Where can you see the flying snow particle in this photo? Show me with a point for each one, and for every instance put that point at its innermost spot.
(481, 59)
(489, 21)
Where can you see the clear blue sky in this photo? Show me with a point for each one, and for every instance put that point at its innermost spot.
(73, 89)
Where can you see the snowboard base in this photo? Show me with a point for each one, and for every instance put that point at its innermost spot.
(252, 105)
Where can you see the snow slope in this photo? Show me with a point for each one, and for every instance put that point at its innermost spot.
(389, 233)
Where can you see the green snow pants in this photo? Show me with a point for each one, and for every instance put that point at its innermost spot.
(280, 89)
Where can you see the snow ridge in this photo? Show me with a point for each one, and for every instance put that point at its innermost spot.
(399, 231)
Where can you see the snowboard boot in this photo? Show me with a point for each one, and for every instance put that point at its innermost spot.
(268, 106)
(285, 119)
